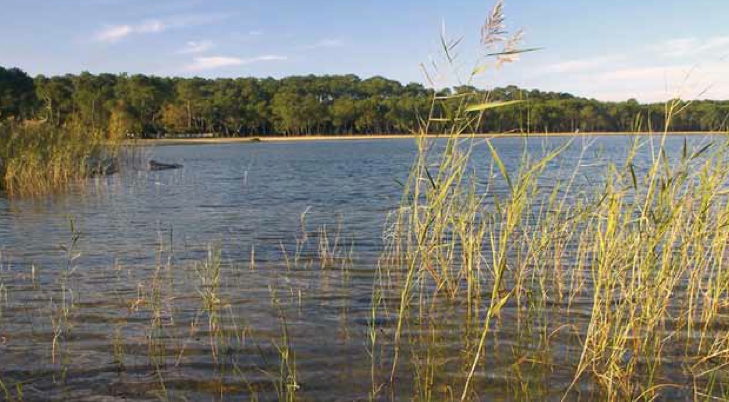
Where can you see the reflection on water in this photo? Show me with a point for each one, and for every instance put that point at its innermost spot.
(141, 307)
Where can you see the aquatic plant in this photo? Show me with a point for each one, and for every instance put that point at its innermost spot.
(647, 249)
(39, 158)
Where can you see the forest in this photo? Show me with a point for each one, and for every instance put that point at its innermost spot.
(153, 107)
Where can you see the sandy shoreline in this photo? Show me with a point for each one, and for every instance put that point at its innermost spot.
(208, 141)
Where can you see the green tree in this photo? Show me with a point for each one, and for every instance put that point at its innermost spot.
(56, 95)
(344, 115)
(17, 94)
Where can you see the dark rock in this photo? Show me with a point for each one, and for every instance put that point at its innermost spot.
(154, 165)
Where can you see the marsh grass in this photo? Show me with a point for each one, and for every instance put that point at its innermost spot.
(61, 321)
(40, 159)
(647, 250)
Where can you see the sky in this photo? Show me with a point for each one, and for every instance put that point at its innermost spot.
(649, 50)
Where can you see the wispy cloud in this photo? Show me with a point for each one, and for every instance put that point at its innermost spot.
(657, 83)
(196, 47)
(581, 65)
(115, 33)
(653, 73)
(650, 73)
(325, 43)
(255, 33)
(216, 62)
(118, 32)
(686, 47)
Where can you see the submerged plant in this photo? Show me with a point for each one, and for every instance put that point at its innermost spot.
(287, 384)
(209, 288)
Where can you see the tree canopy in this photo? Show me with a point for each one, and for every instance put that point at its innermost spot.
(306, 105)
(17, 93)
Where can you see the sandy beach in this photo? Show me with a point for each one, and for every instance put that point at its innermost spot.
(231, 140)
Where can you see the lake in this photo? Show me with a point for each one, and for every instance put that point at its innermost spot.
(113, 290)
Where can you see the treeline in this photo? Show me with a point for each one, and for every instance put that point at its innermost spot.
(304, 105)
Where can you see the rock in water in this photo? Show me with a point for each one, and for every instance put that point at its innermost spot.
(154, 165)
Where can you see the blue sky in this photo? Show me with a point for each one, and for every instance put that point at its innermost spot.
(610, 50)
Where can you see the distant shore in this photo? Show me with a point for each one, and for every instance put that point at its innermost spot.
(297, 138)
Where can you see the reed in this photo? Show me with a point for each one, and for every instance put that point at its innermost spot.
(40, 159)
(648, 248)
(209, 275)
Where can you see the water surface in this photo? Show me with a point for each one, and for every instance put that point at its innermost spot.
(136, 279)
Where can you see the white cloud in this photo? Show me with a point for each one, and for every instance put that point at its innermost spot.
(216, 62)
(268, 58)
(152, 26)
(652, 73)
(196, 47)
(580, 65)
(211, 63)
(687, 47)
(655, 83)
(649, 74)
(255, 33)
(115, 33)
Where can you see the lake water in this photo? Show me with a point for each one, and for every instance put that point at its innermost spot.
(253, 194)
(135, 286)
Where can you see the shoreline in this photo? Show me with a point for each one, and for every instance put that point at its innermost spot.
(359, 137)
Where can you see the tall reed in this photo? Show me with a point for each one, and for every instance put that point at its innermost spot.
(647, 247)
(37, 158)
